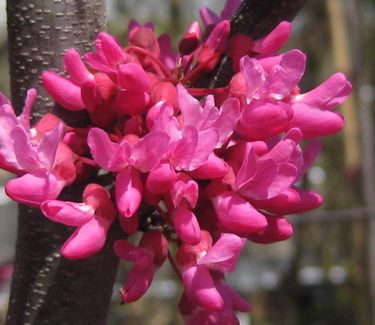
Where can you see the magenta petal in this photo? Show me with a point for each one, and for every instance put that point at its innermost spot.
(47, 147)
(201, 288)
(315, 122)
(166, 51)
(129, 190)
(186, 225)
(131, 76)
(232, 297)
(75, 67)
(217, 39)
(161, 179)
(274, 40)
(136, 284)
(68, 213)
(207, 142)
(33, 189)
(261, 120)
(141, 257)
(214, 167)
(285, 177)
(131, 102)
(126, 250)
(26, 154)
(24, 118)
(190, 40)
(184, 190)
(283, 78)
(63, 91)
(150, 150)
(329, 94)
(257, 184)
(237, 215)
(90, 95)
(292, 200)
(111, 49)
(166, 122)
(270, 179)
(223, 255)
(208, 16)
(129, 225)
(191, 108)
(278, 229)
(87, 239)
(287, 150)
(253, 74)
(248, 167)
(105, 152)
(8, 121)
(182, 151)
(227, 121)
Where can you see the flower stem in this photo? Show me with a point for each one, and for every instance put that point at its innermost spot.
(174, 265)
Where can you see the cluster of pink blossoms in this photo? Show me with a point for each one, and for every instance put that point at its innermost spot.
(211, 167)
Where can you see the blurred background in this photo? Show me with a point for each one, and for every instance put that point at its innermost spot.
(325, 274)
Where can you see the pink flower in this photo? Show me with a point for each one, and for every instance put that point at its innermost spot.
(108, 54)
(129, 157)
(313, 111)
(8, 122)
(196, 262)
(141, 153)
(92, 218)
(184, 197)
(237, 215)
(292, 200)
(267, 82)
(205, 169)
(278, 229)
(147, 257)
(274, 172)
(37, 154)
(197, 131)
(194, 314)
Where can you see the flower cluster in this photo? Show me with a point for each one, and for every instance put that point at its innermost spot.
(212, 168)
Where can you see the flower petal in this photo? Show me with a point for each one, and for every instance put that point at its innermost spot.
(105, 152)
(201, 288)
(33, 189)
(129, 188)
(68, 213)
(186, 225)
(63, 91)
(87, 239)
(223, 255)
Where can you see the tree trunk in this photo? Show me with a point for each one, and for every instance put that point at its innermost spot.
(46, 288)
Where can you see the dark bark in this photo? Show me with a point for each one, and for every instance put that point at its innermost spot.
(46, 288)
(255, 18)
